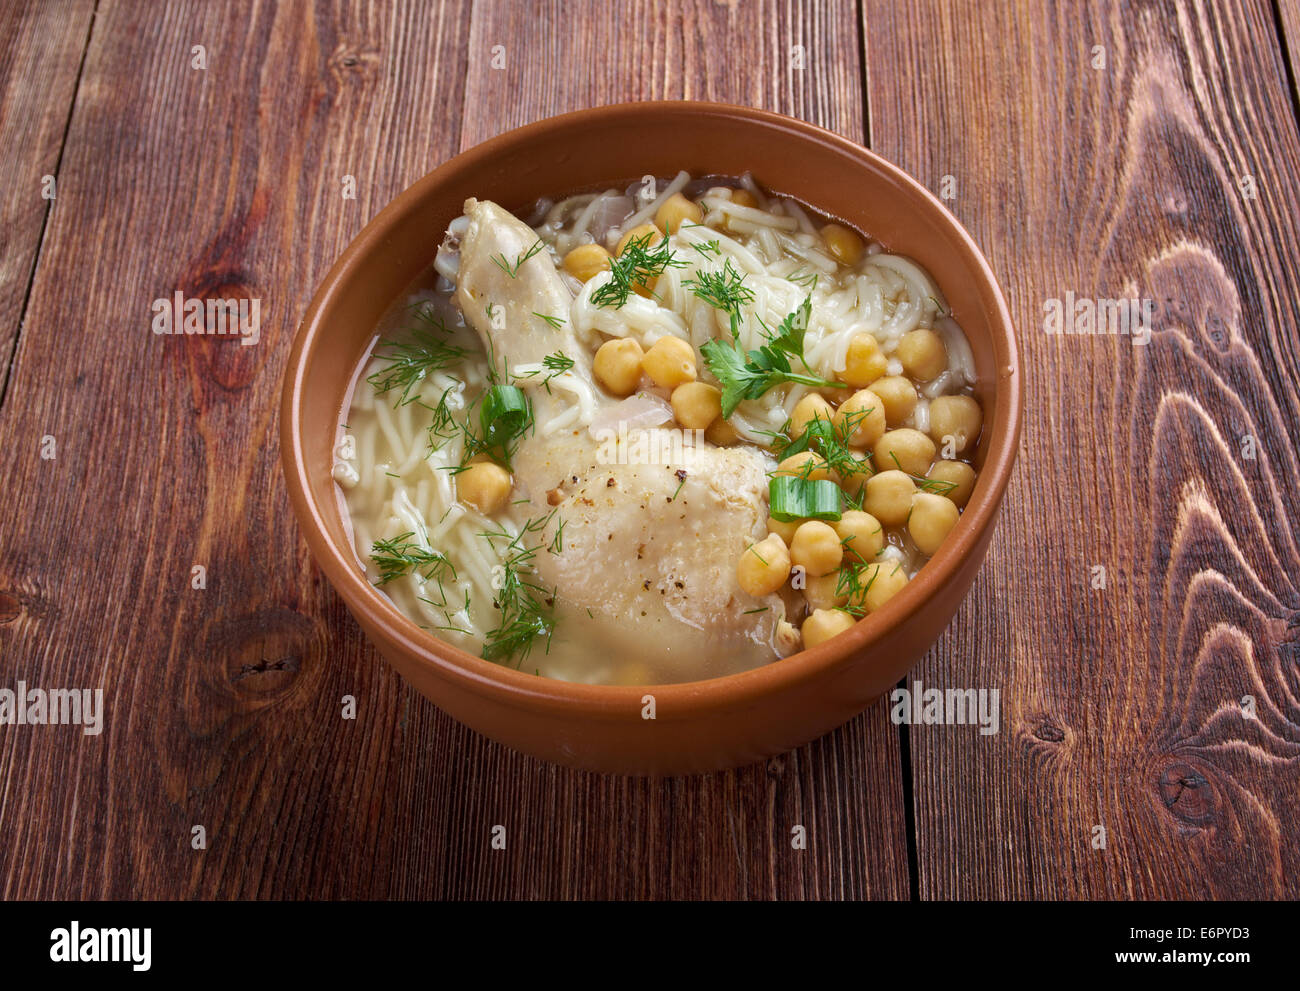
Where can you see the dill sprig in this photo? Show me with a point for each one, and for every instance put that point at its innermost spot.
(555, 322)
(400, 556)
(527, 607)
(635, 267)
(806, 279)
(936, 485)
(512, 270)
(556, 363)
(724, 290)
(409, 362)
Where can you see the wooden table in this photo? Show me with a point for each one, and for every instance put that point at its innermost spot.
(1110, 150)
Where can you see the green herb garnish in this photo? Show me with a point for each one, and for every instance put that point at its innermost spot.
(513, 270)
(527, 608)
(750, 375)
(725, 290)
(793, 498)
(637, 265)
(410, 362)
(400, 556)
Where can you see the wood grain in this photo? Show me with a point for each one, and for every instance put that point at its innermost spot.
(1122, 707)
(223, 704)
(40, 55)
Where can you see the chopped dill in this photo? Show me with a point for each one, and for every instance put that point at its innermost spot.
(555, 322)
(725, 290)
(527, 608)
(635, 267)
(410, 362)
(513, 270)
(400, 556)
(555, 364)
(801, 278)
(935, 485)
(707, 248)
(750, 612)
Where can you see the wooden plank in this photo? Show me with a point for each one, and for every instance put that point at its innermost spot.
(1121, 707)
(1288, 20)
(222, 703)
(40, 54)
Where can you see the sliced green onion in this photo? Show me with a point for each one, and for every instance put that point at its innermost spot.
(505, 416)
(792, 498)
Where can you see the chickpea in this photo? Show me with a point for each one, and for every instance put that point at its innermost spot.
(923, 355)
(933, 516)
(617, 365)
(764, 567)
(861, 534)
(898, 396)
(811, 407)
(844, 244)
(824, 624)
(743, 197)
(958, 417)
(484, 485)
(783, 530)
(959, 475)
(636, 234)
(864, 362)
(905, 448)
(865, 414)
(889, 496)
(806, 464)
(585, 261)
(675, 211)
(670, 362)
(822, 592)
(696, 404)
(882, 582)
(816, 547)
(720, 433)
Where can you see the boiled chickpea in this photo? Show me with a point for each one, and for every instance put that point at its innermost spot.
(675, 211)
(811, 407)
(933, 516)
(783, 530)
(958, 417)
(484, 485)
(844, 244)
(743, 197)
(617, 365)
(696, 404)
(861, 534)
(923, 355)
(957, 474)
(670, 362)
(585, 261)
(816, 547)
(638, 233)
(898, 396)
(889, 496)
(764, 567)
(824, 624)
(906, 449)
(864, 363)
(862, 418)
(882, 582)
(823, 592)
(805, 464)
(720, 433)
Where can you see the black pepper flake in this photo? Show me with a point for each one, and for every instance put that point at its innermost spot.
(610, 483)
(646, 584)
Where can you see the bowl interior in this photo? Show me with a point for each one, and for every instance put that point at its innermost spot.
(612, 145)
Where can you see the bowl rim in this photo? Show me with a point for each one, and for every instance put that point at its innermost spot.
(683, 699)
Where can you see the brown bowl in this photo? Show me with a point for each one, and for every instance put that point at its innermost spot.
(697, 726)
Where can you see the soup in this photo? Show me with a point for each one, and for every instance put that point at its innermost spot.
(656, 434)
